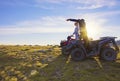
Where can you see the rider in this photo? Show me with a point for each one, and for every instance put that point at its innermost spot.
(76, 31)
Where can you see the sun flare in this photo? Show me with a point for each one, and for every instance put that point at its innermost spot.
(93, 31)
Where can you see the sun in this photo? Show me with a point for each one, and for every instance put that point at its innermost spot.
(93, 31)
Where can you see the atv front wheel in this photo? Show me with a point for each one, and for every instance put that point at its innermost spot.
(77, 54)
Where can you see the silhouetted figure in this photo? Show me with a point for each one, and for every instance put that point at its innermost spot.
(82, 30)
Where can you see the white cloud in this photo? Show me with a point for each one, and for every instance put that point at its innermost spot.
(42, 25)
(94, 4)
(83, 4)
(8, 31)
(57, 24)
(49, 4)
(89, 7)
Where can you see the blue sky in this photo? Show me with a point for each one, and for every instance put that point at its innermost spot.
(44, 21)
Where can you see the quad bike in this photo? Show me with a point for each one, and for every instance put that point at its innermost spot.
(105, 48)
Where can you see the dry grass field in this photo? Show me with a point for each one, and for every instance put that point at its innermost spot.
(45, 63)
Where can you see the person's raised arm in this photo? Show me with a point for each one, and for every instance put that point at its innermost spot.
(74, 20)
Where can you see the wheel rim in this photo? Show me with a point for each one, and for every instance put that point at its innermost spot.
(77, 54)
(108, 54)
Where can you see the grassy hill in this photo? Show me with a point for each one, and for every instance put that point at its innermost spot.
(45, 63)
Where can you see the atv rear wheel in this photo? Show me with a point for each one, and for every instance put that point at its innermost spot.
(108, 54)
(77, 54)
